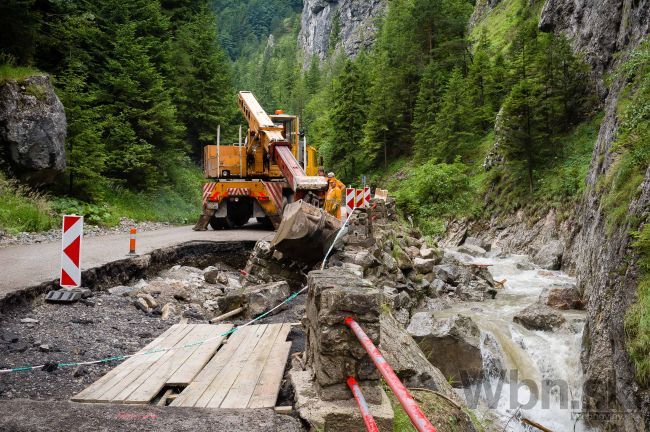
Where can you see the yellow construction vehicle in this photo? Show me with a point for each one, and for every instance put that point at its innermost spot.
(260, 175)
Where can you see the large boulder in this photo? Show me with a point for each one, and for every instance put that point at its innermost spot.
(474, 241)
(539, 317)
(423, 265)
(472, 250)
(562, 297)
(549, 257)
(407, 359)
(32, 129)
(257, 299)
(450, 344)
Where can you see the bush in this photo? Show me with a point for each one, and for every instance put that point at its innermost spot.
(435, 191)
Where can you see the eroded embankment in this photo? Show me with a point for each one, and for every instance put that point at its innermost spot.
(195, 253)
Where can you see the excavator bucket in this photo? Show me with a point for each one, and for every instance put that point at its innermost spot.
(305, 233)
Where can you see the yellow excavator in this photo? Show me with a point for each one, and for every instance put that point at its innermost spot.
(259, 176)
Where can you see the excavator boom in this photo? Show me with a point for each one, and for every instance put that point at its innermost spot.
(276, 145)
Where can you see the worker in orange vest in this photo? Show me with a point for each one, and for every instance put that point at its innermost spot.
(334, 196)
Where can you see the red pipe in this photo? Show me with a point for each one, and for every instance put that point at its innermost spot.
(368, 419)
(419, 420)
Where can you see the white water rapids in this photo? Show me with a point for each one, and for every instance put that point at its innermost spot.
(538, 356)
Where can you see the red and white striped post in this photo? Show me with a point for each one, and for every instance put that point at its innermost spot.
(350, 199)
(368, 419)
(419, 420)
(366, 197)
(359, 202)
(73, 230)
(132, 239)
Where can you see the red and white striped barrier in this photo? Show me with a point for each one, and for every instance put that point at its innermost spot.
(368, 419)
(350, 199)
(419, 420)
(359, 200)
(73, 229)
(366, 197)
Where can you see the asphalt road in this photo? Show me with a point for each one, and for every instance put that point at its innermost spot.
(29, 265)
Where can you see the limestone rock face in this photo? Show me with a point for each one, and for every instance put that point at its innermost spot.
(354, 19)
(32, 129)
(450, 344)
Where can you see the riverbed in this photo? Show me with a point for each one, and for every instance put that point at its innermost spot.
(533, 375)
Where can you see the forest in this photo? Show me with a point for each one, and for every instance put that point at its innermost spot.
(456, 121)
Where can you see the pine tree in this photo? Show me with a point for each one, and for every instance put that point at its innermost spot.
(348, 117)
(521, 132)
(426, 109)
(204, 94)
(457, 122)
(141, 124)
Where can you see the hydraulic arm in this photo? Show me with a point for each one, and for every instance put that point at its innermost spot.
(265, 136)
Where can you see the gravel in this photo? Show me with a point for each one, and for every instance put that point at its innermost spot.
(28, 238)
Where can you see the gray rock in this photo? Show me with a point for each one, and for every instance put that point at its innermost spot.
(407, 359)
(472, 250)
(141, 304)
(121, 290)
(216, 277)
(539, 317)
(389, 262)
(29, 321)
(33, 128)
(474, 241)
(549, 256)
(562, 297)
(424, 266)
(264, 297)
(524, 265)
(403, 300)
(357, 21)
(450, 344)
(149, 300)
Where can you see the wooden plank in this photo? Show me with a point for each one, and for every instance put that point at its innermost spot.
(153, 380)
(218, 389)
(127, 376)
(193, 392)
(244, 385)
(268, 384)
(98, 386)
(199, 358)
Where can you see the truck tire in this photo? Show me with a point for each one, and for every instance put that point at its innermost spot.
(219, 223)
(239, 212)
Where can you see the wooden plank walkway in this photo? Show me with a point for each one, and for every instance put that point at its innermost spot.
(246, 372)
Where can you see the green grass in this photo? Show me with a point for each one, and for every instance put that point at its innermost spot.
(17, 73)
(440, 412)
(499, 23)
(24, 210)
(637, 319)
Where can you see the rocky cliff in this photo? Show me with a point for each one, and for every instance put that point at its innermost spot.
(604, 32)
(346, 24)
(32, 129)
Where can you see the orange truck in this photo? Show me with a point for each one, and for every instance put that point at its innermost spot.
(259, 176)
